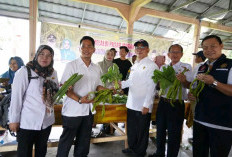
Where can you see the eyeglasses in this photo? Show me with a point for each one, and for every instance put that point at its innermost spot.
(140, 47)
(45, 55)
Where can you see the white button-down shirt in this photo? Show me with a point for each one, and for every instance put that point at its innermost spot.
(27, 107)
(141, 86)
(88, 83)
(179, 67)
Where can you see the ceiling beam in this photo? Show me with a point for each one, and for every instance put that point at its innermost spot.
(135, 7)
(225, 21)
(230, 5)
(217, 13)
(202, 14)
(134, 10)
(216, 26)
(83, 14)
(155, 13)
(157, 25)
(166, 15)
(227, 39)
(17, 14)
(172, 5)
(182, 5)
(121, 24)
(120, 7)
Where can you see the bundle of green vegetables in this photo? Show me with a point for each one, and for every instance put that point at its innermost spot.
(102, 96)
(199, 87)
(165, 78)
(119, 99)
(106, 96)
(64, 88)
(113, 75)
(175, 88)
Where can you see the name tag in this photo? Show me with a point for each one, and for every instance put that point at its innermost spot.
(221, 69)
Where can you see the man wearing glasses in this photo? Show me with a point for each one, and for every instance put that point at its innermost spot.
(170, 117)
(140, 100)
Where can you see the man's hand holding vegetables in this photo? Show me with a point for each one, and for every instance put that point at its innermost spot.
(174, 78)
(182, 78)
(77, 117)
(140, 100)
(212, 118)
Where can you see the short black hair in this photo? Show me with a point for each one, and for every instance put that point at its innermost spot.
(212, 36)
(88, 38)
(175, 45)
(124, 47)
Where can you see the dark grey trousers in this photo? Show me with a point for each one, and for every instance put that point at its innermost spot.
(78, 128)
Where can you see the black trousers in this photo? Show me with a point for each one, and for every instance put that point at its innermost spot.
(26, 139)
(138, 131)
(206, 139)
(79, 128)
(171, 119)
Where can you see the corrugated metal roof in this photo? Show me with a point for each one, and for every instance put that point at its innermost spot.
(95, 15)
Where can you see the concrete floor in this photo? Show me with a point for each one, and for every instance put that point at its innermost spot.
(114, 149)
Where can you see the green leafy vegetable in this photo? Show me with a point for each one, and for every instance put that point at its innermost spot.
(102, 96)
(200, 86)
(175, 88)
(106, 96)
(166, 77)
(70, 82)
(113, 75)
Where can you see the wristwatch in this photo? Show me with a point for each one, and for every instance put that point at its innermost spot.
(79, 101)
(215, 83)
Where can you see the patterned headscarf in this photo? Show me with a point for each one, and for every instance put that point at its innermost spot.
(49, 87)
(34, 65)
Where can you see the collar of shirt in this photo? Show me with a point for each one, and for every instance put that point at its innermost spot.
(176, 65)
(83, 63)
(142, 60)
(207, 62)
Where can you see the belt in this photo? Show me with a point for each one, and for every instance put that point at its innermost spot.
(169, 100)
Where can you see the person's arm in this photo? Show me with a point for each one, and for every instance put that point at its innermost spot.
(223, 88)
(150, 86)
(66, 75)
(19, 88)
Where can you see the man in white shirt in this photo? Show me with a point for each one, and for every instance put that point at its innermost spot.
(76, 112)
(140, 100)
(168, 117)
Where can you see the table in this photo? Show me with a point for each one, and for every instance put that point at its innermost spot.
(113, 114)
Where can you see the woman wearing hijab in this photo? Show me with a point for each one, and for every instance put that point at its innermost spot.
(31, 111)
(15, 63)
(66, 52)
(107, 61)
(105, 64)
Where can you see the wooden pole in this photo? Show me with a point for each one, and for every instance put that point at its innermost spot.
(32, 27)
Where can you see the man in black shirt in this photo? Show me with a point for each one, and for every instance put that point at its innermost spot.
(123, 64)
